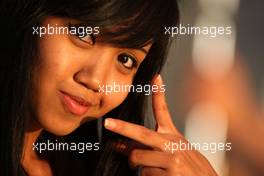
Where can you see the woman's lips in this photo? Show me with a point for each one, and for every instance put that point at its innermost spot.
(75, 105)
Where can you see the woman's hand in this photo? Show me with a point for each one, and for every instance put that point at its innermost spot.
(163, 159)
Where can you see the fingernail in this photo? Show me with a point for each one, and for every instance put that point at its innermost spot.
(159, 79)
(109, 123)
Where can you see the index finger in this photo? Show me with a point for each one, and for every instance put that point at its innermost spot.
(136, 132)
(160, 108)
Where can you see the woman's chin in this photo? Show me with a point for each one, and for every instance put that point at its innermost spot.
(61, 130)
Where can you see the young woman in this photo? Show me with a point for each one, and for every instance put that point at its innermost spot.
(51, 89)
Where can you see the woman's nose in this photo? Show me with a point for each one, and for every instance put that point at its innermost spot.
(96, 69)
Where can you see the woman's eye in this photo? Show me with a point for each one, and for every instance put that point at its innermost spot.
(80, 32)
(88, 38)
(127, 61)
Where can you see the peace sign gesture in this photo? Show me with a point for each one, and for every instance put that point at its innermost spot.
(160, 160)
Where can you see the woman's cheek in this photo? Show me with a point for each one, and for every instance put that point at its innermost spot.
(113, 99)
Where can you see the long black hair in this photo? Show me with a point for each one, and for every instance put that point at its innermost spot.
(124, 23)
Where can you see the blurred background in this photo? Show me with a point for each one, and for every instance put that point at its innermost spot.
(215, 85)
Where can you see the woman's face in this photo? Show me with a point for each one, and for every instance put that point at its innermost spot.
(70, 75)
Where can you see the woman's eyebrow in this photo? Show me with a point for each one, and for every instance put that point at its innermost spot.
(142, 50)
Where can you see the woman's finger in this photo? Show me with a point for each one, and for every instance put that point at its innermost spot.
(137, 132)
(160, 108)
(152, 171)
(150, 158)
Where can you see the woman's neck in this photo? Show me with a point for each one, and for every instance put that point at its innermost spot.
(29, 149)
(30, 161)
